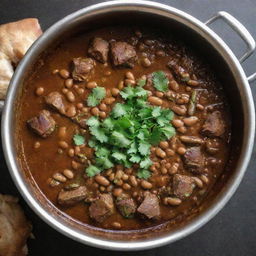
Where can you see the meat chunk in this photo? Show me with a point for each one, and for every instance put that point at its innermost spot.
(123, 54)
(178, 70)
(102, 208)
(56, 101)
(183, 186)
(213, 125)
(82, 68)
(43, 124)
(150, 206)
(71, 197)
(14, 227)
(126, 207)
(194, 159)
(99, 49)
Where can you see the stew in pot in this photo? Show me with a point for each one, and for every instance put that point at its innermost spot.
(124, 129)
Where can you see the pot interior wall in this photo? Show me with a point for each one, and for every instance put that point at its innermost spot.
(172, 28)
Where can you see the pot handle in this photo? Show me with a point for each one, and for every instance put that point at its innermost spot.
(239, 28)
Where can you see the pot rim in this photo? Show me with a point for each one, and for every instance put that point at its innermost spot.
(197, 222)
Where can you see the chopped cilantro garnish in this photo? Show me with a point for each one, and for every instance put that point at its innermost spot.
(160, 81)
(143, 174)
(78, 139)
(97, 95)
(125, 137)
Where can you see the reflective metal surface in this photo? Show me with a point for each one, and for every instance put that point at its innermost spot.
(160, 10)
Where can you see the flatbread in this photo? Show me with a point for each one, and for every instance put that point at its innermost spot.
(14, 227)
(15, 39)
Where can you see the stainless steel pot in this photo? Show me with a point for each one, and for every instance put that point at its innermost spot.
(199, 34)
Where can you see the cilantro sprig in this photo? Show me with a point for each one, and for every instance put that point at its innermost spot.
(78, 139)
(96, 96)
(125, 137)
(160, 81)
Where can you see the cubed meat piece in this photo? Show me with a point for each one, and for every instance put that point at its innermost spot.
(123, 54)
(183, 186)
(99, 50)
(56, 101)
(150, 206)
(102, 208)
(213, 125)
(194, 159)
(82, 68)
(126, 207)
(71, 197)
(43, 124)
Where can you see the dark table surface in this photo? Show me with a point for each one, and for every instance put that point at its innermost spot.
(233, 230)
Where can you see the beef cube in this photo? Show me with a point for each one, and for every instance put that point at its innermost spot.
(123, 54)
(71, 197)
(82, 68)
(150, 206)
(102, 208)
(213, 125)
(56, 101)
(194, 159)
(183, 186)
(126, 207)
(99, 50)
(43, 124)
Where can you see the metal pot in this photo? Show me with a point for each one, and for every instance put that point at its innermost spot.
(212, 46)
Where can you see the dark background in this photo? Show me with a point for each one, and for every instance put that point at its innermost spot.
(233, 230)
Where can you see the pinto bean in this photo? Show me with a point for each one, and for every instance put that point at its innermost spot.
(69, 83)
(170, 152)
(173, 201)
(59, 177)
(146, 62)
(177, 123)
(189, 121)
(174, 85)
(95, 111)
(70, 96)
(155, 100)
(160, 153)
(164, 144)
(91, 85)
(64, 73)
(39, 91)
(179, 110)
(146, 185)
(192, 82)
(71, 111)
(174, 168)
(121, 85)
(181, 150)
(103, 107)
(68, 173)
(117, 192)
(133, 181)
(63, 144)
(115, 91)
(191, 140)
(62, 132)
(102, 180)
(102, 114)
(126, 186)
(129, 82)
(159, 94)
(129, 75)
(198, 182)
(109, 100)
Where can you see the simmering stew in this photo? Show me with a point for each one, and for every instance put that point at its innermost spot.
(124, 129)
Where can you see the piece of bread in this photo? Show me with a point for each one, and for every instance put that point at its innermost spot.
(15, 39)
(14, 227)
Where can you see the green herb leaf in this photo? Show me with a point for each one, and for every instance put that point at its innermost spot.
(144, 148)
(78, 139)
(146, 163)
(141, 82)
(92, 170)
(118, 110)
(99, 134)
(160, 81)
(97, 95)
(143, 174)
(93, 121)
